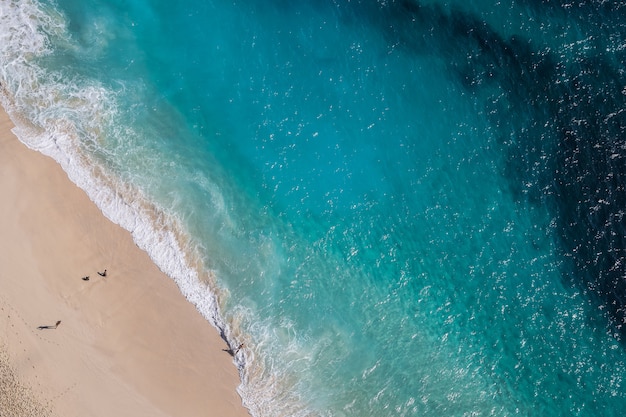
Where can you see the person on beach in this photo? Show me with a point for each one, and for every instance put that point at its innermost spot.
(85, 278)
(103, 274)
(233, 352)
(50, 327)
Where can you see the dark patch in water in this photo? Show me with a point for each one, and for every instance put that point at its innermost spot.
(590, 180)
(570, 153)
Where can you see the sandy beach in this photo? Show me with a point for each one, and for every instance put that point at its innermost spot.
(128, 344)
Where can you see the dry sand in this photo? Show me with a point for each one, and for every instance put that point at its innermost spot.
(128, 344)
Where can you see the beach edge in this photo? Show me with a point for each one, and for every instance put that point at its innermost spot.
(129, 343)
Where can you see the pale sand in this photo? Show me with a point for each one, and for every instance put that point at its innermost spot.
(128, 345)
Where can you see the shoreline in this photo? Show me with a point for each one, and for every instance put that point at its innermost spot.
(128, 343)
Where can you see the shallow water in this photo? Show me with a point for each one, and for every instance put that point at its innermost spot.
(402, 208)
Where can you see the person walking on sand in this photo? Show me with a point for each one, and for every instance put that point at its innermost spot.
(103, 274)
(50, 327)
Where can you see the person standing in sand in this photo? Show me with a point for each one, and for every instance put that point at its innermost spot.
(50, 327)
(103, 274)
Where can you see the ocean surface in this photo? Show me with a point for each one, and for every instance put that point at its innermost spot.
(402, 208)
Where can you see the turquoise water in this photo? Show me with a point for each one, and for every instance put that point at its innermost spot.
(401, 208)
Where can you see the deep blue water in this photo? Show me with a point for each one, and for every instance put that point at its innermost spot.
(402, 208)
